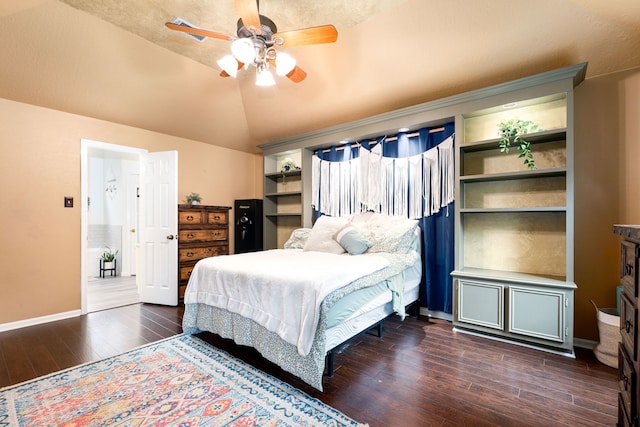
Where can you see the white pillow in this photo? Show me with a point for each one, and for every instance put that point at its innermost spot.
(298, 238)
(387, 233)
(321, 236)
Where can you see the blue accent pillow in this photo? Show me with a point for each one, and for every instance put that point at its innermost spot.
(352, 240)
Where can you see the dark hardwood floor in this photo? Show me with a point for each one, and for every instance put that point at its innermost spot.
(420, 373)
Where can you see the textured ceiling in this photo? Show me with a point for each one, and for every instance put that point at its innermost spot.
(145, 18)
(115, 60)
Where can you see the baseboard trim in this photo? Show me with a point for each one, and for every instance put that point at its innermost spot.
(424, 311)
(582, 343)
(38, 320)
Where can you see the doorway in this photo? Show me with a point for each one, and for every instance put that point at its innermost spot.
(110, 204)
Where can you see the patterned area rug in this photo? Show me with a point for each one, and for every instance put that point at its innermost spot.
(180, 381)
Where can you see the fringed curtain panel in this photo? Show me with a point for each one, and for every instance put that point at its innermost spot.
(410, 176)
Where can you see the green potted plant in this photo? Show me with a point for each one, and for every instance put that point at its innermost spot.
(513, 131)
(108, 257)
(194, 199)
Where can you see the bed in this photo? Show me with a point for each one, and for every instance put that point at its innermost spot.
(298, 304)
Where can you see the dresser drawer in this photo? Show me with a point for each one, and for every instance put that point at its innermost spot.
(629, 267)
(623, 417)
(191, 217)
(206, 235)
(185, 271)
(628, 326)
(199, 252)
(218, 217)
(627, 383)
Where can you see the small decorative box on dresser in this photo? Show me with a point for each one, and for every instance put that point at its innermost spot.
(628, 366)
(203, 231)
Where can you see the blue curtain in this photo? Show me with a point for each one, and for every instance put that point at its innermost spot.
(437, 229)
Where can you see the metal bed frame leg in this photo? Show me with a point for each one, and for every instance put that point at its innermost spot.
(329, 363)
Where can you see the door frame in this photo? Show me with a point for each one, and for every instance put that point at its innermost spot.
(85, 145)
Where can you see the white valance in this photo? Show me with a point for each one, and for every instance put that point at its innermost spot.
(411, 187)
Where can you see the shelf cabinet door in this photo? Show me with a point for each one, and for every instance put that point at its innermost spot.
(481, 304)
(537, 313)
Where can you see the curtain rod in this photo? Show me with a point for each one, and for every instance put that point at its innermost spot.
(374, 142)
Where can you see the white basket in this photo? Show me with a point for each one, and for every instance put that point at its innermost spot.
(609, 329)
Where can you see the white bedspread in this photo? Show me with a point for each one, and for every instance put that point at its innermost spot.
(280, 289)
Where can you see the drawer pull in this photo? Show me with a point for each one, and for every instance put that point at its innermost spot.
(628, 269)
(190, 236)
(627, 326)
(626, 382)
(217, 217)
(190, 254)
(189, 217)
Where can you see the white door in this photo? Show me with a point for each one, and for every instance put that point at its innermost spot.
(158, 270)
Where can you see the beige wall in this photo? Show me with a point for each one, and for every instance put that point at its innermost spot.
(607, 144)
(41, 165)
(40, 251)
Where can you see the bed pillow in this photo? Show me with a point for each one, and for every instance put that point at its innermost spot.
(298, 238)
(352, 240)
(388, 233)
(321, 236)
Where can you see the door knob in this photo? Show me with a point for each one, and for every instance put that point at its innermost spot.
(133, 230)
(171, 237)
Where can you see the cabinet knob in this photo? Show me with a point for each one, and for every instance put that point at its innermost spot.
(625, 381)
(627, 326)
(628, 269)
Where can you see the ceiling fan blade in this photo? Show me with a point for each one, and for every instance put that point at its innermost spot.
(197, 31)
(311, 35)
(248, 12)
(297, 75)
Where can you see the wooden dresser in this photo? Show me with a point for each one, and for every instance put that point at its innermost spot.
(203, 231)
(628, 366)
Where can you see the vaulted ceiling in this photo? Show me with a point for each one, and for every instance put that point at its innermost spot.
(115, 60)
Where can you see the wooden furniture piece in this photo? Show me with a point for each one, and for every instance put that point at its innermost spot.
(282, 198)
(628, 364)
(513, 276)
(203, 231)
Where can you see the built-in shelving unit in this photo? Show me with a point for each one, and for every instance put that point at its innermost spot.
(514, 256)
(514, 225)
(282, 198)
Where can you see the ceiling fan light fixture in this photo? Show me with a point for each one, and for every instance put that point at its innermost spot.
(264, 77)
(243, 50)
(285, 63)
(229, 64)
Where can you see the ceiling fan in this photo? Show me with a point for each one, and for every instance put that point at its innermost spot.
(256, 42)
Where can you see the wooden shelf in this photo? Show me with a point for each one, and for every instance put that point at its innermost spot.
(285, 175)
(533, 138)
(283, 194)
(504, 176)
(514, 210)
(514, 277)
(274, 215)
